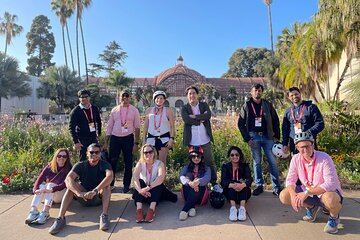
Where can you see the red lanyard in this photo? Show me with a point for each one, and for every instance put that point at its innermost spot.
(149, 172)
(312, 172)
(91, 115)
(196, 172)
(198, 107)
(237, 174)
(156, 127)
(261, 110)
(301, 113)
(126, 115)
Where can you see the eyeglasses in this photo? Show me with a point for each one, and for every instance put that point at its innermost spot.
(62, 156)
(125, 95)
(193, 156)
(234, 155)
(148, 152)
(307, 147)
(94, 152)
(83, 96)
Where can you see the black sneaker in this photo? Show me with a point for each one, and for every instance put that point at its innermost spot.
(57, 226)
(277, 192)
(258, 191)
(126, 189)
(104, 222)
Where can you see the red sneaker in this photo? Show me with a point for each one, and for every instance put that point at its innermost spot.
(150, 215)
(139, 215)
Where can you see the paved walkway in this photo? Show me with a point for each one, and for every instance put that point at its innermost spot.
(267, 219)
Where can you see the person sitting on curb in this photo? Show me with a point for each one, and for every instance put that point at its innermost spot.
(320, 183)
(236, 182)
(92, 189)
(194, 178)
(149, 176)
(53, 189)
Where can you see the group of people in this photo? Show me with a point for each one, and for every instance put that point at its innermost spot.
(91, 180)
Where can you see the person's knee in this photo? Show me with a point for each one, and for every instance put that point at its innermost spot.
(331, 200)
(284, 196)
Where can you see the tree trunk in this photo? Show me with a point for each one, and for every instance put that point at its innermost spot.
(342, 78)
(5, 47)
(77, 44)
(63, 38)
(271, 32)
(83, 42)
(319, 88)
(70, 48)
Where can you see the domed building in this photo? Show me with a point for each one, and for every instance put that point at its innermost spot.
(176, 79)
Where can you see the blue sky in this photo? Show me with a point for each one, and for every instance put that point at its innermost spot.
(155, 32)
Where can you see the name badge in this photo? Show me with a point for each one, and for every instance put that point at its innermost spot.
(258, 122)
(297, 128)
(124, 129)
(92, 127)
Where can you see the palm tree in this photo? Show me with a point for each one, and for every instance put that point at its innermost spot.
(79, 5)
(268, 3)
(118, 79)
(9, 28)
(63, 12)
(12, 81)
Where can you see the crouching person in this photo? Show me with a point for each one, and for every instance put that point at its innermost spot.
(89, 182)
(320, 183)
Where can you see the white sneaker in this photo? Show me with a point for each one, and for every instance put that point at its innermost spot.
(233, 214)
(33, 215)
(43, 216)
(183, 215)
(217, 188)
(192, 212)
(242, 214)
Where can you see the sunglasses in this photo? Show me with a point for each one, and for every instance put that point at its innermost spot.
(94, 152)
(148, 152)
(234, 155)
(125, 95)
(62, 156)
(83, 96)
(193, 156)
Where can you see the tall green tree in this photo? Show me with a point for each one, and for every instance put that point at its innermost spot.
(60, 84)
(119, 81)
(79, 6)
(242, 63)
(40, 46)
(98, 98)
(145, 94)
(268, 4)
(113, 57)
(63, 11)
(13, 83)
(9, 28)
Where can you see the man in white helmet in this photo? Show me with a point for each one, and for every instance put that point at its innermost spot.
(320, 183)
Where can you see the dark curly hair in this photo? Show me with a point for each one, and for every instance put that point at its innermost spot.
(241, 155)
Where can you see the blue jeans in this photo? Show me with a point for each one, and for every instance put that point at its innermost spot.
(261, 141)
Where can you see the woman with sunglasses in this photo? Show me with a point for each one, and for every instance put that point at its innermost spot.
(159, 127)
(236, 181)
(49, 186)
(194, 177)
(149, 175)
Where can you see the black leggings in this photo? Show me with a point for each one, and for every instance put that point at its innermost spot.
(191, 197)
(233, 195)
(155, 194)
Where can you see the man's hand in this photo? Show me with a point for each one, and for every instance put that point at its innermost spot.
(251, 143)
(286, 149)
(89, 195)
(78, 146)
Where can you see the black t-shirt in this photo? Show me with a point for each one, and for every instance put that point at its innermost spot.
(91, 176)
(252, 116)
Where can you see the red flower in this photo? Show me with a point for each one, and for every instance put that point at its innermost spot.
(14, 174)
(6, 180)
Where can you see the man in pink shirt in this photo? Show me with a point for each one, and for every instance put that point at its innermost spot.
(123, 131)
(320, 183)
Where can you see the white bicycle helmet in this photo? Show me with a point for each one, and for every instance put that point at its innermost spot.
(157, 93)
(278, 151)
(304, 136)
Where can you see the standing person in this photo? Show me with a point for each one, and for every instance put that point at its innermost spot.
(85, 123)
(88, 182)
(320, 185)
(123, 131)
(197, 129)
(236, 181)
(149, 175)
(194, 178)
(259, 126)
(159, 127)
(301, 116)
(49, 186)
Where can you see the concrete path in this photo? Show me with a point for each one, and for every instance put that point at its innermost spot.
(267, 219)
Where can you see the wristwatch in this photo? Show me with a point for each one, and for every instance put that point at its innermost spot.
(96, 191)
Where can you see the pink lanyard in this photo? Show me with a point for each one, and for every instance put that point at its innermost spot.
(148, 172)
(312, 173)
(156, 127)
(237, 174)
(91, 115)
(126, 115)
(252, 105)
(301, 113)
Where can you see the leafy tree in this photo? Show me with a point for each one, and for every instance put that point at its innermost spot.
(113, 56)
(207, 91)
(119, 81)
(353, 89)
(145, 95)
(40, 46)
(60, 85)
(9, 28)
(243, 61)
(232, 96)
(13, 83)
(99, 99)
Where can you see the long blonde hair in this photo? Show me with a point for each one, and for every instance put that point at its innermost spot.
(53, 163)
(142, 159)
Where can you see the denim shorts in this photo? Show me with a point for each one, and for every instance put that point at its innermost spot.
(315, 200)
